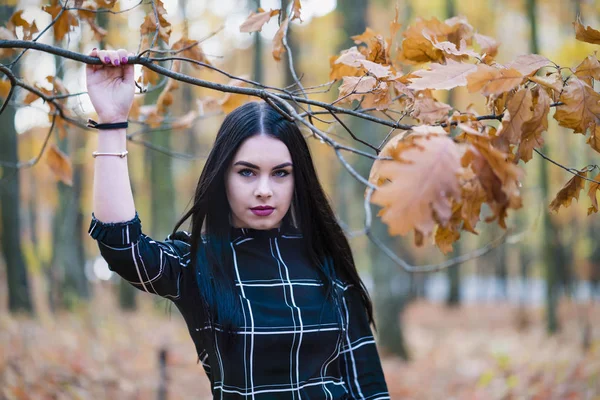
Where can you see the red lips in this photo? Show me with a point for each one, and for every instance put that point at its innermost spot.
(262, 208)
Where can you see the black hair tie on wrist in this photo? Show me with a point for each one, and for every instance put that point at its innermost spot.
(93, 124)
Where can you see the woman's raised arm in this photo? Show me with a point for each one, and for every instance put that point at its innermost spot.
(111, 88)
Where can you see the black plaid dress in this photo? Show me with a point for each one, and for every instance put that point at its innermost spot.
(291, 345)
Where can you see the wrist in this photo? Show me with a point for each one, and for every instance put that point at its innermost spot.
(111, 120)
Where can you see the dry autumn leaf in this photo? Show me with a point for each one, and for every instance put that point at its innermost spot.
(586, 34)
(278, 45)
(588, 69)
(231, 101)
(255, 21)
(518, 111)
(60, 164)
(528, 64)
(493, 81)
(531, 137)
(29, 29)
(570, 191)
(192, 51)
(553, 82)
(65, 23)
(149, 26)
(440, 76)
(592, 191)
(416, 48)
(488, 44)
(429, 111)
(423, 180)
(581, 108)
(296, 8)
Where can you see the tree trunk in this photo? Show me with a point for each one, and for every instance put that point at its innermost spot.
(68, 283)
(19, 299)
(392, 286)
(551, 241)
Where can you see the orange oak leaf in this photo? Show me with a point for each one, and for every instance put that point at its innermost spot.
(416, 48)
(592, 191)
(528, 64)
(354, 87)
(518, 111)
(553, 82)
(531, 137)
(296, 7)
(17, 21)
(4, 88)
(231, 101)
(64, 24)
(149, 26)
(377, 70)
(350, 57)
(278, 46)
(581, 108)
(255, 21)
(450, 48)
(446, 235)
(473, 196)
(428, 110)
(493, 81)
(423, 180)
(192, 51)
(570, 191)
(441, 76)
(586, 34)
(376, 50)
(588, 69)
(60, 164)
(594, 139)
(488, 44)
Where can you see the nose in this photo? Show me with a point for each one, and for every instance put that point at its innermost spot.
(263, 188)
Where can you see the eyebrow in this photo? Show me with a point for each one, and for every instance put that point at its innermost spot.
(250, 165)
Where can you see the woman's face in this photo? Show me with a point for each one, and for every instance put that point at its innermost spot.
(260, 183)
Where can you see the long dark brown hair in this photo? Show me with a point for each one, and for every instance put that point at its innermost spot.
(325, 241)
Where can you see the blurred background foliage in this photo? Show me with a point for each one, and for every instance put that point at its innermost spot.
(65, 278)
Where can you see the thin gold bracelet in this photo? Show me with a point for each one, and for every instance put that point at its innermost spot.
(122, 154)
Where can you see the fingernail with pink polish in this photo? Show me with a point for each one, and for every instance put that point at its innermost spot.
(117, 62)
(106, 59)
(124, 60)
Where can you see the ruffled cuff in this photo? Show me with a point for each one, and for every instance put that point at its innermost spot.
(116, 233)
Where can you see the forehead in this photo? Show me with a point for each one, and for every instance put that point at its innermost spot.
(263, 150)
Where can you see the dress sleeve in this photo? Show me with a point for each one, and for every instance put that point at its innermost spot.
(151, 266)
(361, 366)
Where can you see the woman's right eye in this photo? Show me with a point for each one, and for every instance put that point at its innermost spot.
(245, 172)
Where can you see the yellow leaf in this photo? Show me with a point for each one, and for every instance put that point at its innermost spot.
(569, 192)
(149, 26)
(255, 21)
(278, 46)
(4, 88)
(423, 180)
(493, 81)
(586, 34)
(28, 29)
(60, 164)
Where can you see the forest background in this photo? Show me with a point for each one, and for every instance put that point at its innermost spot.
(518, 320)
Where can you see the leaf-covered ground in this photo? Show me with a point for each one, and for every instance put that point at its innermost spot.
(475, 352)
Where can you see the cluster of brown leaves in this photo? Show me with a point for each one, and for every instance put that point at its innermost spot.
(451, 163)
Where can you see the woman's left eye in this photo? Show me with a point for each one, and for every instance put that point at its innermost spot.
(281, 173)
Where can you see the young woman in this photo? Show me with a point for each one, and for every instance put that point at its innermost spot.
(265, 281)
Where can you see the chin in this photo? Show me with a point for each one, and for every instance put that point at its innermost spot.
(265, 224)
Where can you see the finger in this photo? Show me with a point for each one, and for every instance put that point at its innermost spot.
(103, 56)
(128, 74)
(92, 67)
(122, 55)
(114, 58)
